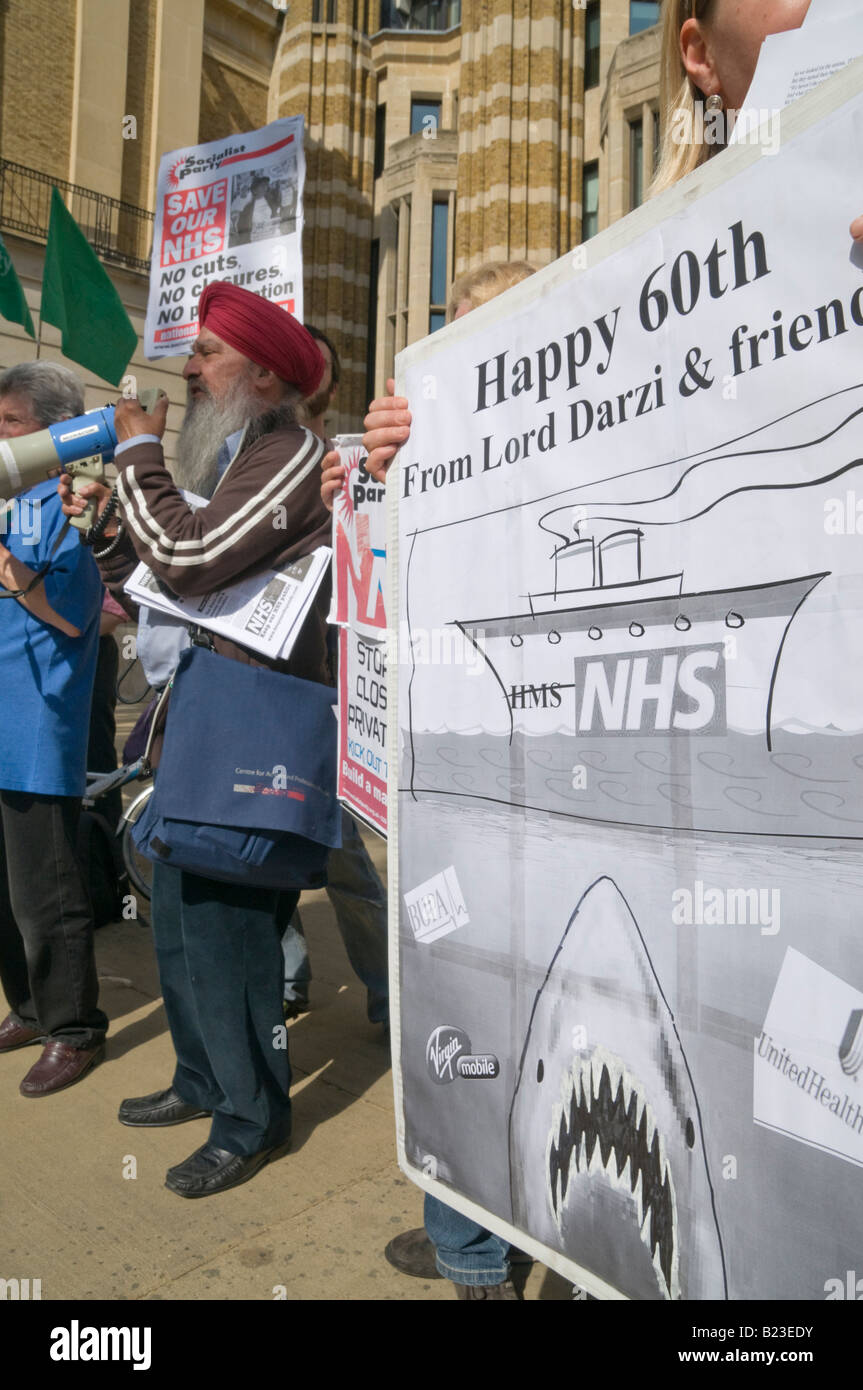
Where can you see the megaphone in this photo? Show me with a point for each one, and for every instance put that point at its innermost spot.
(80, 447)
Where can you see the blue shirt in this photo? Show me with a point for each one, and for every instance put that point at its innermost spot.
(47, 677)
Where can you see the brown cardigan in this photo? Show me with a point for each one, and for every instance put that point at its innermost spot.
(266, 511)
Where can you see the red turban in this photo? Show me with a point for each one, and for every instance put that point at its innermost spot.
(261, 331)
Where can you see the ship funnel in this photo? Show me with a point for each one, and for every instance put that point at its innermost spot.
(619, 558)
(575, 566)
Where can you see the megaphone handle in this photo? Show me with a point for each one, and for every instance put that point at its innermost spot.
(150, 398)
(96, 532)
(87, 517)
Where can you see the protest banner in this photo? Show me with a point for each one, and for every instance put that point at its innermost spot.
(359, 570)
(625, 855)
(232, 210)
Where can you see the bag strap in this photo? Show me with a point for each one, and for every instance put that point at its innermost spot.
(39, 576)
(146, 766)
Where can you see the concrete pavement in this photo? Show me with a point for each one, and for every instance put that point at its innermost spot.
(82, 1201)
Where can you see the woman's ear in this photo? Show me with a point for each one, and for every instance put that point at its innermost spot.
(698, 58)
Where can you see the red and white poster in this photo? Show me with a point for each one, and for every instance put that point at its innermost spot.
(232, 210)
(359, 581)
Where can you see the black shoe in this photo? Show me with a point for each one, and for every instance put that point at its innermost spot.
(161, 1108)
(210, 1170)
(413, 1253)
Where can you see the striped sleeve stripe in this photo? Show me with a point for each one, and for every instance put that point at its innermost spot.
(204, 549)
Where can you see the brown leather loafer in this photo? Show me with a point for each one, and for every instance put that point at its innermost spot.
(14, 1034)
(60, 1066)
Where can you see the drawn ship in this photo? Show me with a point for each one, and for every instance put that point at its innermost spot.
(607, 651)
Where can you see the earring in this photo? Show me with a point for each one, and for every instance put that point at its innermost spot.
(714, 102)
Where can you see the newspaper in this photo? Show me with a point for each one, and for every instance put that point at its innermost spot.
(264, 613)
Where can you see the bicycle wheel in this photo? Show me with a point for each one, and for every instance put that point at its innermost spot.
(139, 868)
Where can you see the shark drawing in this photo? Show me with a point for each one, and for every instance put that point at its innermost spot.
(608, 1162)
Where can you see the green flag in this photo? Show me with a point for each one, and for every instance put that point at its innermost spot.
(13, 305)
(79, 299)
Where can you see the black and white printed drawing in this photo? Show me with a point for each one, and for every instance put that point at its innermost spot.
(605, 1131)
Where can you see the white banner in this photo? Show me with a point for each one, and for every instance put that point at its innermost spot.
(626, 866)
(227, 210)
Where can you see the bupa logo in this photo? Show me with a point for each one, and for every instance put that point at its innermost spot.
(669, 691)
(448, 1055)
(436, 907)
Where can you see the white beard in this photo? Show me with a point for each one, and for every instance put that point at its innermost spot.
(206, 425)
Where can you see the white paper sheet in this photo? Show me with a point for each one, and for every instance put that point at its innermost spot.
(794, 62)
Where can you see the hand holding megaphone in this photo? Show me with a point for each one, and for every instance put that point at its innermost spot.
(146, 415)
(83, 489)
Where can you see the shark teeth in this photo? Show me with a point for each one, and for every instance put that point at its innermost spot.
(604, 1125)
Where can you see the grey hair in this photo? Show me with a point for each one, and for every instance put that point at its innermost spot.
(54, 391)
(278, 417)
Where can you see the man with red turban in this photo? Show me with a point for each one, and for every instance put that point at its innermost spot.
(218, 944)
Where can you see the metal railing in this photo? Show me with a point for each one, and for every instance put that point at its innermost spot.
(118, 232)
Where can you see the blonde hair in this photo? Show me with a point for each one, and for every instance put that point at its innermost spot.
(679, 98)
(482, 284)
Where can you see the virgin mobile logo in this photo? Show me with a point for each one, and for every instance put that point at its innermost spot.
(448, 1055)
(443, 1049)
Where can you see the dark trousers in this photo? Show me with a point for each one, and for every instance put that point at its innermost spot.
(47, 965)
(101, 754)
(220, 967)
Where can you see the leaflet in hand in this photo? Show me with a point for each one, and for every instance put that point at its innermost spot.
(794, 61)
(264, 613)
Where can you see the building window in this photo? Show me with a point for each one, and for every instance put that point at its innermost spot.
(636, 164)
(425, 118)
(590, 201)
(656, 143)
(320, 8)
(591, 45)
(438, 279)
(380, 139)
(435, 15)
(643, 14)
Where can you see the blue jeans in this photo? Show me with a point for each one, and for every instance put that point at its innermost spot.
(360, 903)
(466, 1253)
(217, 947)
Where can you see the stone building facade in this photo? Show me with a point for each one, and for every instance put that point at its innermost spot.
(439, 134)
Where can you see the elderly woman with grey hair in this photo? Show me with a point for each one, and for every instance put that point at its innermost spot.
(49, 626)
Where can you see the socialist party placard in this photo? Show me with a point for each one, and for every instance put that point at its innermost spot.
(627, 876)
(359, 575)
(231, 210)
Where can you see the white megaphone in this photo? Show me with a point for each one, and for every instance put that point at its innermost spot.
(80, 447)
